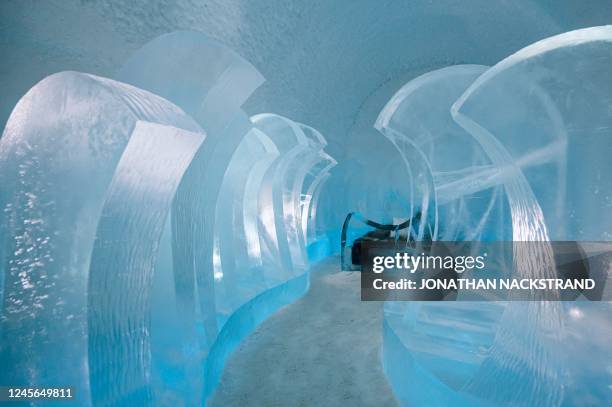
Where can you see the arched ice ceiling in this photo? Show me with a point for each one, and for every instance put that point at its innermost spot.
(331, 64)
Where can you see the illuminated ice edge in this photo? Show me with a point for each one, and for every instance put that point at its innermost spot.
(251, 314)
(412, 374)
(396, 359)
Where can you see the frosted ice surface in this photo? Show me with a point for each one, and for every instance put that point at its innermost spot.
(450, 340)
(417, 120)
(238, 271)
(137, 203)
(540, 121)
(128, 224)
(548, 105)
(209, 81)
(547, 109)
(58, 155)
(236, 221)
(202, 76)
(314, 179)
(281, 194)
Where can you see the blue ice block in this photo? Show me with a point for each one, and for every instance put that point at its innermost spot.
(139, 244)
(536, 122)
(58, 157)
(137, 203)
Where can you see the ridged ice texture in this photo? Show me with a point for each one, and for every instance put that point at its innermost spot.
(555, 94)
(282, 243)
(235, 219)
(257, 168)
(542, 119)
(58, 156)
(211, 82)
(238, 271)
(462, 196)
(314, 180)
(141, 245)
(236, 227)
(137, 203)
(461, 189)
(548, 105)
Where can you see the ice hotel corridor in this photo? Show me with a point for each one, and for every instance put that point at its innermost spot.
(190, 190)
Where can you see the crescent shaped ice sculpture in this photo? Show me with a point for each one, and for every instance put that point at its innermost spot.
(452, 364)
(417, 118)
(121, 270)
(310, 194)
(316, 232)
(238, 272)
(204, 77)
(528, 115)
(252, 195)
(58, 157)
(92, 169)
(260, 193)
(280, 229)
(211, 82)
(225, 189)
(441, 345)
(302, 181)
(562, 86)
(556, 92)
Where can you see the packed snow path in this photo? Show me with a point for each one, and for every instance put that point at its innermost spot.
(322, 350)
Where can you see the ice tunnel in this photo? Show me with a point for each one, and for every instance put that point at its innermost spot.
(189, 191)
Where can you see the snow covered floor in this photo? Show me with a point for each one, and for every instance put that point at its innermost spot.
(323, 350)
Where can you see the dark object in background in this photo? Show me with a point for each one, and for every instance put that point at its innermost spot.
(373, 235)
(381, 232)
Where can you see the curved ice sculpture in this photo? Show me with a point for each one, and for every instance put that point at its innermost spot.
(463, 192)
(237, 209)
(547, 105)
(204, 77)
(137, 203)
(256, 273)
(115, 297)
(59, 156)
(314, 169)
(424, 330)
(539, 117)
(281, 226)
(209, 81)
(316, 177)
(238, 268)
(447, 340)
(261, 166)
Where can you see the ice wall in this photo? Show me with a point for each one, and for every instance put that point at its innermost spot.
(507, 145)
(148, 228)
(123, 258)
(58, 155)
